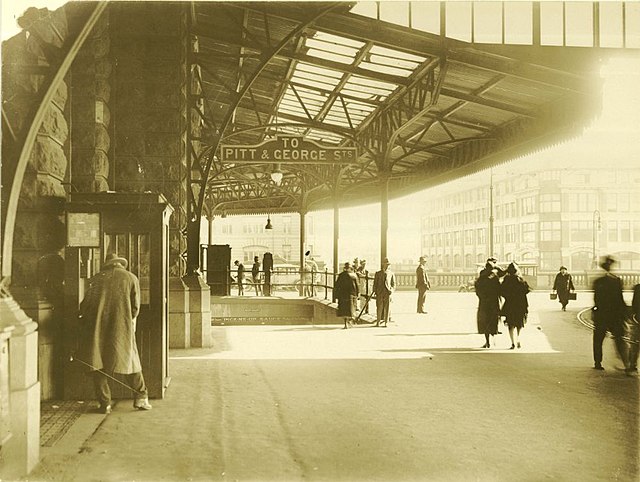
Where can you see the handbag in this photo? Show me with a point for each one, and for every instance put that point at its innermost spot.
(573, 296)
(553, 296)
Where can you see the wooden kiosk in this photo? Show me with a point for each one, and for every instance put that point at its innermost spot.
(136, 226)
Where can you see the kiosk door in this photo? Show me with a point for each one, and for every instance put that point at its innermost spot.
(134, 226)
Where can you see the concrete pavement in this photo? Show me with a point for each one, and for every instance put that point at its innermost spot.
(415, 401)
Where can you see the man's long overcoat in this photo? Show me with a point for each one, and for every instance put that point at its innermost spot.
(108, 334)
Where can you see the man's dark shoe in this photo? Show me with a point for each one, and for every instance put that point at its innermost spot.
(597, 366)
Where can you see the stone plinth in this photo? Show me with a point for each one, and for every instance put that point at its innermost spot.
(22, 451)
(200, 311)
(179, 316)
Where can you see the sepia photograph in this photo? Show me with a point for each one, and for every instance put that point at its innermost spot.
(346, 241)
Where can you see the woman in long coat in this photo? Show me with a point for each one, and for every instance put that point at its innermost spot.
(346, 292)
(487, 288)
(563, 285)
(514, 290)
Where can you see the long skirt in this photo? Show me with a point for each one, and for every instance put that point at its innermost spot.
(487, 321)
(347, 306)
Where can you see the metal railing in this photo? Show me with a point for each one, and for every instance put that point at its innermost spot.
(321, 283)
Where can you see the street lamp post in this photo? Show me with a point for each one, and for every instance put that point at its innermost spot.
(596, 223)
(491, 247)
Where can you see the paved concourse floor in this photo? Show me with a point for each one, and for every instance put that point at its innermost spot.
(417, 401)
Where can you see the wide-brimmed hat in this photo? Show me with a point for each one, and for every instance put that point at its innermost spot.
(423, 258)
(606, 262)
(386, 261)
(113, 258)
(563, 267)
(512, 268)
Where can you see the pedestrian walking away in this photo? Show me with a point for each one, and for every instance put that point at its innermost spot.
(563, 287)
(240, 277)
(346, 292)
(422, 283)
(487, 288)
(608, 313)
(384, 284)
(514, 290)
(108, 331)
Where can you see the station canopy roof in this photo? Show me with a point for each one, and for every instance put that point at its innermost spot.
(420, 109)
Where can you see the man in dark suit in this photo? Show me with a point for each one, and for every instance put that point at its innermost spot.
(384, 284)
(609, 312)
(422, 283)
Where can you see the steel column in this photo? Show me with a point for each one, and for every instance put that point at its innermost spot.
(384, 214)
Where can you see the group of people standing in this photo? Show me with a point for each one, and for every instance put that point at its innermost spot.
(494, 283)
(349, 286)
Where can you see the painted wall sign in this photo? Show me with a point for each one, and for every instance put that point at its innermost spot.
(287, 149)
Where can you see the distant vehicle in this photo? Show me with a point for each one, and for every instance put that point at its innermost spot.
(469, 286)
(285, 276)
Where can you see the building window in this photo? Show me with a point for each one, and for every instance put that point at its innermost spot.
(623, 202)
(481, 235)
(286, 224)
(628, 261)
(582, 202)
(227, 229)
(456, 261)
(529, 232)
(468, 261)
(581, 230)
(612, 231)
(550, 203)
(468, 236)
(625, 231)
(550, 260)
(636, 231)
(581, 261)
(550, 231)
(528, 205)
(510, 233)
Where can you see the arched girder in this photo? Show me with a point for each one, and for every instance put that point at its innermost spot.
(14, 183)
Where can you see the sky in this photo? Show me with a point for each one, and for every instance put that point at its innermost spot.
(612, 138)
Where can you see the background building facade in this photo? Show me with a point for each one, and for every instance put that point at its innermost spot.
(548, 217)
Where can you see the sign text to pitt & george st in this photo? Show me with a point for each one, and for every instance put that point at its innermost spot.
(288, 149)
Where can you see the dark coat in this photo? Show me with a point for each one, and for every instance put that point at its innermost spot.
(487, 288)
(609, 305)
(346, 292)
(514, 290)
(563, 284)
(422, 280)
(108, 333)
(635, 302)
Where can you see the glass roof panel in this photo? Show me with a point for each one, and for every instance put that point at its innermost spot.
(314, 84)
(328, 55)
(304, 67)
(327, 37)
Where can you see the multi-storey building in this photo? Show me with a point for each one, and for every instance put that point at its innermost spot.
(547, 217)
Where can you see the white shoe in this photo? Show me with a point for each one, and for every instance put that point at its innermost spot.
(142, 404)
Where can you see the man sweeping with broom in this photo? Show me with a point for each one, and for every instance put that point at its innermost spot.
(109, 312)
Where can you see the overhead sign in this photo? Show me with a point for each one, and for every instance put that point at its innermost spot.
(288, 149)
